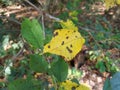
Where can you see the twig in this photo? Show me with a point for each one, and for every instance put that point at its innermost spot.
(11, 19)
(88, 31)
(41, 12)
(52, 17)
(14, 57)
(43, 26)
(33, 6)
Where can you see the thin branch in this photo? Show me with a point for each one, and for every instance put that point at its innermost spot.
(48, 15)
(88, 31)
(41, 12)
(11, 19)
(52, 17)
(33, 6)
(14, 57)
(43, 26)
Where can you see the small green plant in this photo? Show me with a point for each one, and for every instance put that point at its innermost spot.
(55, 71)
(33, 34)
(103, 62)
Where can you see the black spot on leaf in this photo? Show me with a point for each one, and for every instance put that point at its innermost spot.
(67, 37)
(73, 88)
(55, 34)
(69, 50)
(48, 46)
(74, 31)
(76, 36)
(71, 46)
(62, 43)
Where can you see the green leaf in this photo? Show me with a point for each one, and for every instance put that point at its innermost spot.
(74, 72)
(70, 5)
(32, 32)
(101, 66)
(22, 84)
(107, 85)
(38, 63)
(64, 16)
(99, 27)
(60, 70)
(115, 81)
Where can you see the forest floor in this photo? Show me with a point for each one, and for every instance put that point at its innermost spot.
(15, 13)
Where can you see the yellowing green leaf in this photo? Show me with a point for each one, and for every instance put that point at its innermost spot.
(83, 86)
(32, 32)
(118, 2)
(66, 42)
(68, 25)
(73, 13)
(111, 3)
(69, 85)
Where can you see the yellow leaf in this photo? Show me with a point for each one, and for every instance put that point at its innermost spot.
(83, 86)
(73, 13)
(69, 85)
(118, 2)
(68, 25)
(66, 42)
(111, 3)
